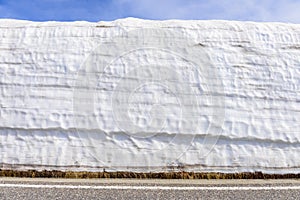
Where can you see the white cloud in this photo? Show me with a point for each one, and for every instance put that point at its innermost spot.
(253, 10)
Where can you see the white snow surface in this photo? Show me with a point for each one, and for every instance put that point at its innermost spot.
(233, 108)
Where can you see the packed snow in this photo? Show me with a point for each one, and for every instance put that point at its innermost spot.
(142, 95)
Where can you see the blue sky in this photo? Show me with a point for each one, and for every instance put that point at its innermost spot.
(105, 10)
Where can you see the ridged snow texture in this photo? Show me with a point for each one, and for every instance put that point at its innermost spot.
(46, 122)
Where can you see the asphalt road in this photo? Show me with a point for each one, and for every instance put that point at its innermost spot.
(24, 188)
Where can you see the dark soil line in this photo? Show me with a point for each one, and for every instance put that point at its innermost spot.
(148, 175)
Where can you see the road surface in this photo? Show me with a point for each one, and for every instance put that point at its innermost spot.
(41, 188)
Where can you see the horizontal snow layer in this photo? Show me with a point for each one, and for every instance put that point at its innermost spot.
(140, 95)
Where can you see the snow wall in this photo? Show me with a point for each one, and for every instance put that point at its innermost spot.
(139, 95)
